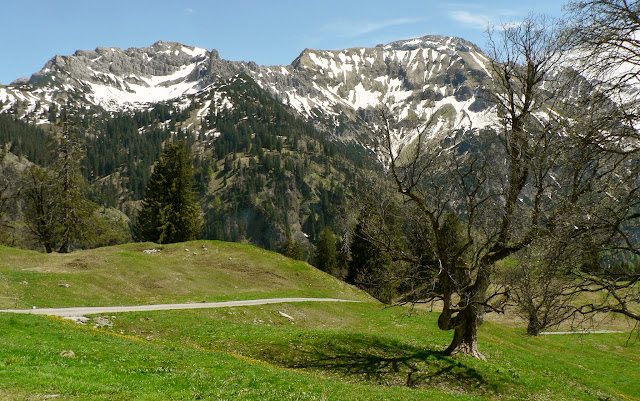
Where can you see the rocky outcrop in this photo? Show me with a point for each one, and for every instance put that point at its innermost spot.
(160, 59)
(415, 78)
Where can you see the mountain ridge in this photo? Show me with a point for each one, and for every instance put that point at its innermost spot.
(279, 151)
(336, 89)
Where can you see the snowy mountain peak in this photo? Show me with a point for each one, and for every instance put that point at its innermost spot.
(117, 79)
(339, 90)
(415, 78)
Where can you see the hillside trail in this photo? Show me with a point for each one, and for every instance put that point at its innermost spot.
(92, 310)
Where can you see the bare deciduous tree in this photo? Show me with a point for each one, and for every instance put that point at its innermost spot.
(604, 36)
(542, 183)
(605, 42)
(40, 205)
(541, 290)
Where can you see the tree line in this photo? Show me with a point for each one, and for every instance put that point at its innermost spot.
(266, 176)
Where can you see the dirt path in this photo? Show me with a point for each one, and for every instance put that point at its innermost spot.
(82, 311)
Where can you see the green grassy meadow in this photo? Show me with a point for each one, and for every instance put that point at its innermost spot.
(197, 271)
(301, 351)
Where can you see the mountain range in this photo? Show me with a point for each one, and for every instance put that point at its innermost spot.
(337, 90)
(279, 151)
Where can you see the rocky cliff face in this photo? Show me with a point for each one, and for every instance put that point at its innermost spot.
(414, 78)
(118, 79)
(339, 90)
(408, 75)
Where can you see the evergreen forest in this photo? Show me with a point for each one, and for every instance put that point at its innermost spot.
(262, 174)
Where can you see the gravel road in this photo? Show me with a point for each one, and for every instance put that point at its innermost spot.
(556, 333)
(82, 311)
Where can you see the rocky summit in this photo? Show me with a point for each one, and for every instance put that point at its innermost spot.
(413, 78)
(112, 78)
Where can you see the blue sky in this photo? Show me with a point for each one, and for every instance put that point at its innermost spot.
(268, 32)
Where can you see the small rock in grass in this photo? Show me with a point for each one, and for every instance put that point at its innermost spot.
(102, 321)
(68, 354)
(78, 319)
(286, 316)
(65, 285)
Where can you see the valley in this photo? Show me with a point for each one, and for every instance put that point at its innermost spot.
(322, 230)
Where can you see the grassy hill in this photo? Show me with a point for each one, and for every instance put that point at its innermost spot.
(198, 271)
(307, 351)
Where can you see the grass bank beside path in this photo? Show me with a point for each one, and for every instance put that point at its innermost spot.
(367, 343)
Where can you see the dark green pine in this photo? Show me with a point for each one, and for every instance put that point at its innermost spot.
(170, 210)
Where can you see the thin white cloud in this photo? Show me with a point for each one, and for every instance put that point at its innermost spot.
(190, 11)
(480, 19)
(477, 21)
(351, 29)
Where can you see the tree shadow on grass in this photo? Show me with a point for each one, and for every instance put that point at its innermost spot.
(384, 361)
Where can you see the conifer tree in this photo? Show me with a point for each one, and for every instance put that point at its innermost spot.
(326, 254)
(292, 249)
(75, 211)
(170, 210)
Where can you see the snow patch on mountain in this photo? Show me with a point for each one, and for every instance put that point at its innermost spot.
(4, 96)
(117, 93)
(414, 79)
(361, 98)
(194, 51)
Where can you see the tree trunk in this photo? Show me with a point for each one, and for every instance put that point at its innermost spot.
(47, 247)
(65, 246)
(534, 327)
(465, 336)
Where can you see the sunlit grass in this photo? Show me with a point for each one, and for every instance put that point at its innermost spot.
(108, 366)
(198, 271)
(306, 351)
(365, 343)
